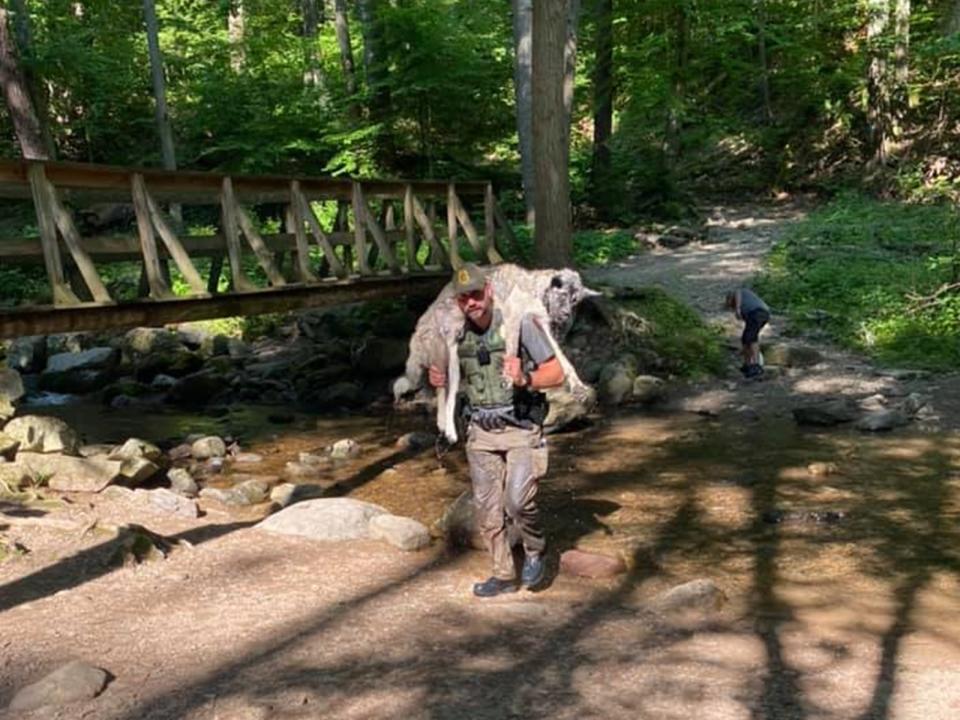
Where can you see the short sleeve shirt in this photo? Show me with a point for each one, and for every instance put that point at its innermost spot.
(534, 343)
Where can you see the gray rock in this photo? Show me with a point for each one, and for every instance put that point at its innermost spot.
(344, 449)
(791, 355)
(382, 356)
(14, 476)
(401, 532)
(328, 519)
(414, 441)
(163, 382)
(283, 494)
(341, 394)
(182, 482)
(74, 681)
(136, 470)
(208, 447)
(648, 389)
(615, 383)
(71, 474)
(11, 390)
(700, 596)
(592, 565)
(8, 446)
(136, 448)
(27, 354)
(882, 420)
(41, 433)
(459, 525)
(829, 412)
(247, 458)
(98, 358)
(167, 501)
(197, 388)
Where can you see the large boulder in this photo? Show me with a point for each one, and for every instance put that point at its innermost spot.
(827, 413)
(71, 474)
(74, 681)
(459, 526)
(328, 519)
(401, 532)
(43, 434)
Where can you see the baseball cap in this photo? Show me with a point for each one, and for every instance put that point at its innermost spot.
(467, 278)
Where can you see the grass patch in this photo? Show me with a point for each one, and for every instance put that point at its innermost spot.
(855, 268)
(590, 247)
(675, 331)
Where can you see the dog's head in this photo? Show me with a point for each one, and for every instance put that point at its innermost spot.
(565, 291)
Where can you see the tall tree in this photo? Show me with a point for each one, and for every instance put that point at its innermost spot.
(341, 24)
(236, 24)
(602, 94)
(678, 74)
(375, 56)
(312, 76)
(522, 86)
(951, 22)
(37, 90)
(164, 127)
(900, 91)
(570, 61)
(552, 236)
(878, 91)
(22, 112)
(761, 19)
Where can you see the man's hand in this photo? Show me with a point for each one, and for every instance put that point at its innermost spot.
(512, 370)
(437, 377)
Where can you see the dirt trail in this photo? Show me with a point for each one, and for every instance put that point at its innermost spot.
(842, 589)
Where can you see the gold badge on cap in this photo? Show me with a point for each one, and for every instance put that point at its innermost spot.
(463, 277)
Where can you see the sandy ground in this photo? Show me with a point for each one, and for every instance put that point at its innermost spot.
(849, 619)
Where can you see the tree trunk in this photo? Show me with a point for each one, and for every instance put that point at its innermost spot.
(878, 92)
(761, 14)
(235, 33)
(312, 75)
(159, 86)
(671, 142)
(602, 96)
(374, 56)
(341, 25)
(900, 92)
(951, 23)
(552, 238)
(570, 63)
(37, 90)
(17, 96)
(522, 78)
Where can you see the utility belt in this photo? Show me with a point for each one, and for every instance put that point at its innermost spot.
(529, 409)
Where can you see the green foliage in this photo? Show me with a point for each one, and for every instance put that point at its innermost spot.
(590, 247)
(677, 333)
(856, 268)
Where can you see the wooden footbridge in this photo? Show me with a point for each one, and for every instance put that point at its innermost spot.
(369, 251)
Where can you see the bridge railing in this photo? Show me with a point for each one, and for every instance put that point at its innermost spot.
(381, 229)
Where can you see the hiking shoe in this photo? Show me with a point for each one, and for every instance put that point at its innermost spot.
(534, 567)
(494, 586)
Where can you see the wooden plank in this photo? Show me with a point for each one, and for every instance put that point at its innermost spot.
(294, 217)
(232, 232)
(179, 254)
(410, 231)
(264, 256)
(490, 225)
(106, 182)
(452, 240)
(423, 220)
(62, 294)
(379, 236)
(156, 283)
(306, 212)
(467, 224)
(71, 238)
(360, 235)
(92, 316)
(120, 248)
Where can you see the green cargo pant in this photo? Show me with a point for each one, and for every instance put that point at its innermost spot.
(505, 468)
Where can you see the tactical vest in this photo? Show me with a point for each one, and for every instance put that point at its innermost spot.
(484, 383)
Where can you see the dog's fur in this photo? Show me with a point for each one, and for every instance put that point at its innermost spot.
(549, 296)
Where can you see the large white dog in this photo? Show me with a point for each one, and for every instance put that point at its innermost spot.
(550, 296)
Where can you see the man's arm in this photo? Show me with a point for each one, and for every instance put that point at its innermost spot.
(548, 372)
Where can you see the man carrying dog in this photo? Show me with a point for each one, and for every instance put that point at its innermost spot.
(505, 411)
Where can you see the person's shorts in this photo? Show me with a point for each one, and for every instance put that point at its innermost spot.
(755, 320)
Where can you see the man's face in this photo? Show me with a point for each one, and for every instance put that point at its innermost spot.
(475, 304)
